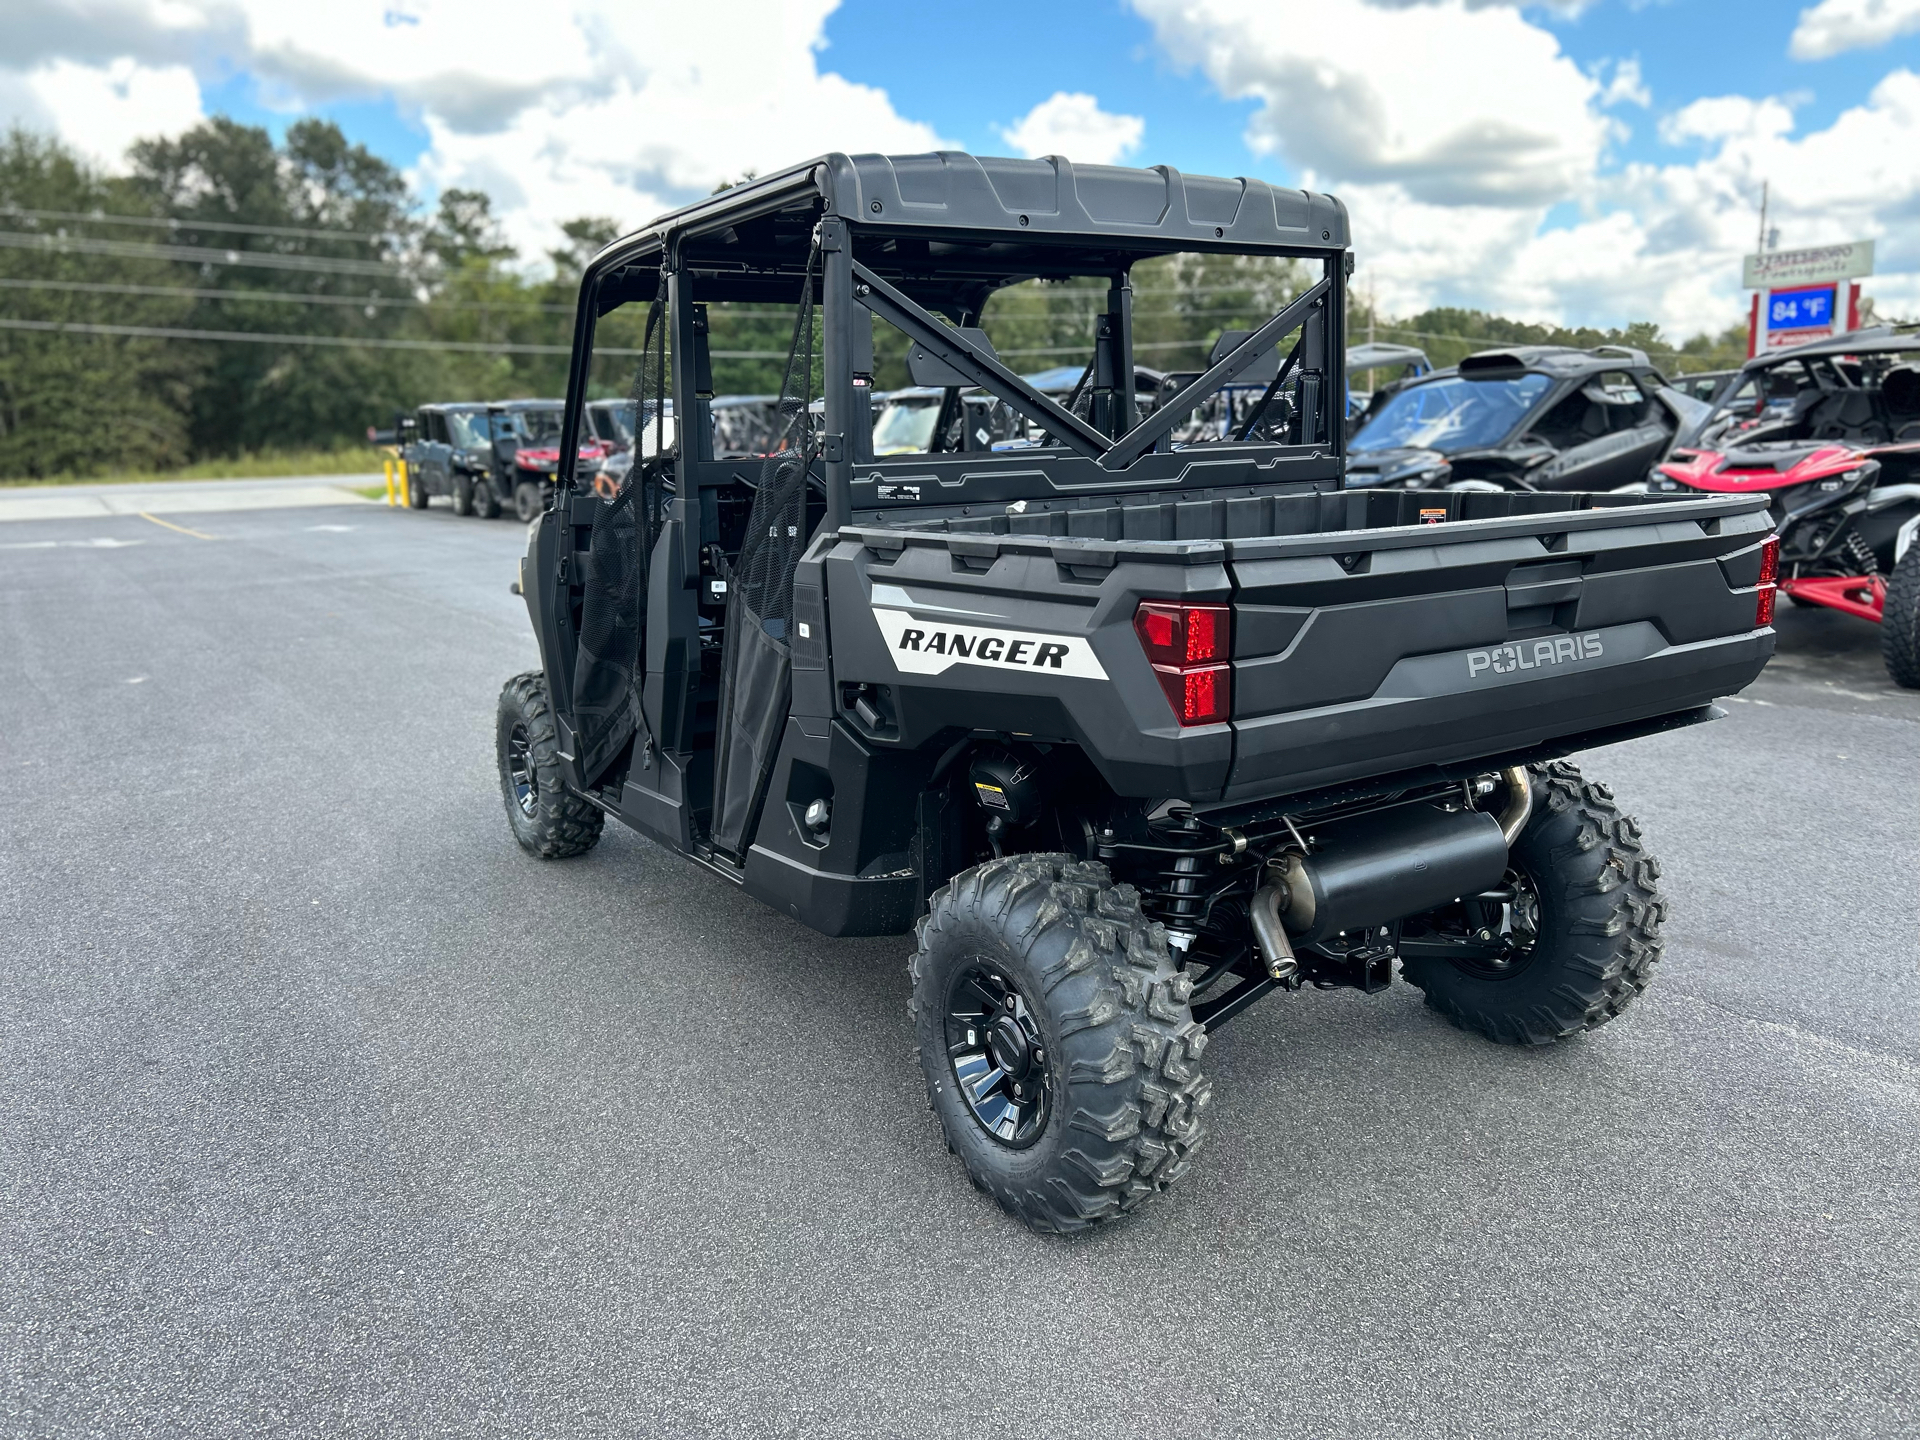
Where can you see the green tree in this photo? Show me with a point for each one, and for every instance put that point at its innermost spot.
(76, 402)
(307, 238)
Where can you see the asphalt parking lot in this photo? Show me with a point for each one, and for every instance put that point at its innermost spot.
(328, 1111)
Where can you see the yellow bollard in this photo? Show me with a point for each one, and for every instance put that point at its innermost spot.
(387, 465)
(400, 471)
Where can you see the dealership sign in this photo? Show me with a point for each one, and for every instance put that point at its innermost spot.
(1804, 295)
(1783, 269)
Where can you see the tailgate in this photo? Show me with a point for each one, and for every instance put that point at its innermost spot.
(1370, 651)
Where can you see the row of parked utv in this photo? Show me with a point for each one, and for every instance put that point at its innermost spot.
(1828, 431)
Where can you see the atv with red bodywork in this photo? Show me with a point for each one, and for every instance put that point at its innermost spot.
(1830, 433)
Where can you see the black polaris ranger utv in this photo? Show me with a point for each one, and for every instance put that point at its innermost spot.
(1129, 733)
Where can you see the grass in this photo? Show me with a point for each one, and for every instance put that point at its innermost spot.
(265, 464)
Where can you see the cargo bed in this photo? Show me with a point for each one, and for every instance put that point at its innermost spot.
(1371, 633)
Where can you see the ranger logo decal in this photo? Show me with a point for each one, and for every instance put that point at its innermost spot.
(1534, 654)
(930, 647)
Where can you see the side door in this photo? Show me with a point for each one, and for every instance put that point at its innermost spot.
(436, 455)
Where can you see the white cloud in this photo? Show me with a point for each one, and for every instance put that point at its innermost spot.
(1457, 104)
(1463, 142)
(102, 109)
(1074, 125)
(603, 107)
(1834, 26)
(1627, 86)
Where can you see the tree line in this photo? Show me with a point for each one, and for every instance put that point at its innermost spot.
(230, 294)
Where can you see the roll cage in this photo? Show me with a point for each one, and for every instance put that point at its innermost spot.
(923, 242)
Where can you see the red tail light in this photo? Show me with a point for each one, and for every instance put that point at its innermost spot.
(1188, 646)
(1769, 576)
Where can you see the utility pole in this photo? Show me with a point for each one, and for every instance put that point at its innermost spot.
(1760, 245)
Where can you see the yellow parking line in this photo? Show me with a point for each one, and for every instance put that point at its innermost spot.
(171, 526)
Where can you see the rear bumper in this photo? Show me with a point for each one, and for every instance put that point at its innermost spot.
(1436, 710)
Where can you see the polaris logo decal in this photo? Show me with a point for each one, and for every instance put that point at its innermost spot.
(1535, 654)
(930, 647)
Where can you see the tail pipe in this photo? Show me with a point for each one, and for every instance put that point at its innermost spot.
(1270, 936)
(1519, 803)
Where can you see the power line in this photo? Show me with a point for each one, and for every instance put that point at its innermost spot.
(249, 337)
(347, 342)
(196, 255)
(101, 217)
(397, 302)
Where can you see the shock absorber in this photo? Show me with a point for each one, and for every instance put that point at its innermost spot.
(1859, 555)
(1178, 896)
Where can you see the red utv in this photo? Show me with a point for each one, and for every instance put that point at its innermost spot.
(1830, 432)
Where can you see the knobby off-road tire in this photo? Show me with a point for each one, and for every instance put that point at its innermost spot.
(548, 819)
(528, 502)
(1115, 1044)
(462, 495)
(1900, 621)
(486, 504)
(1598, 930)
(416, 490)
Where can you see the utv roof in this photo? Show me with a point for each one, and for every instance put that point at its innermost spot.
(1032, 204)
(1382, 356)
(526, 405)
(1554, 359)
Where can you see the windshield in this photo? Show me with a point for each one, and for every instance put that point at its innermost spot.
(906, 426)
(528, 427)
(614, 421)
(1452, 414)
(468, 429)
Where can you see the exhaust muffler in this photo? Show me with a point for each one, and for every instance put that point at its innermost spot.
(1379, 868)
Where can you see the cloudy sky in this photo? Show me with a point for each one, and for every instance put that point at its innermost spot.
(1581, 160)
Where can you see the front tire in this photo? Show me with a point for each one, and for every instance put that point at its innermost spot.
(486, 504)
(1060, 1054)
(548, 819)
(462, 495)
(416, 490)
(528, 502)
(1900, 621)
(1580, 937)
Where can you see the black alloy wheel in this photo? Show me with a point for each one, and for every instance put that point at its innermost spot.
(999, 1059)
(521, 774)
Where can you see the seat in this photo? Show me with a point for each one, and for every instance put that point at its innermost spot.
(1846, 415)
(1900, 393)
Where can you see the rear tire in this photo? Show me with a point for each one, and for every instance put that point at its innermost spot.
(462, 495)
(528, 501)
(486, 504)
(1041, 988)
(1597, 909)
(548, 819)
(1900, 621)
